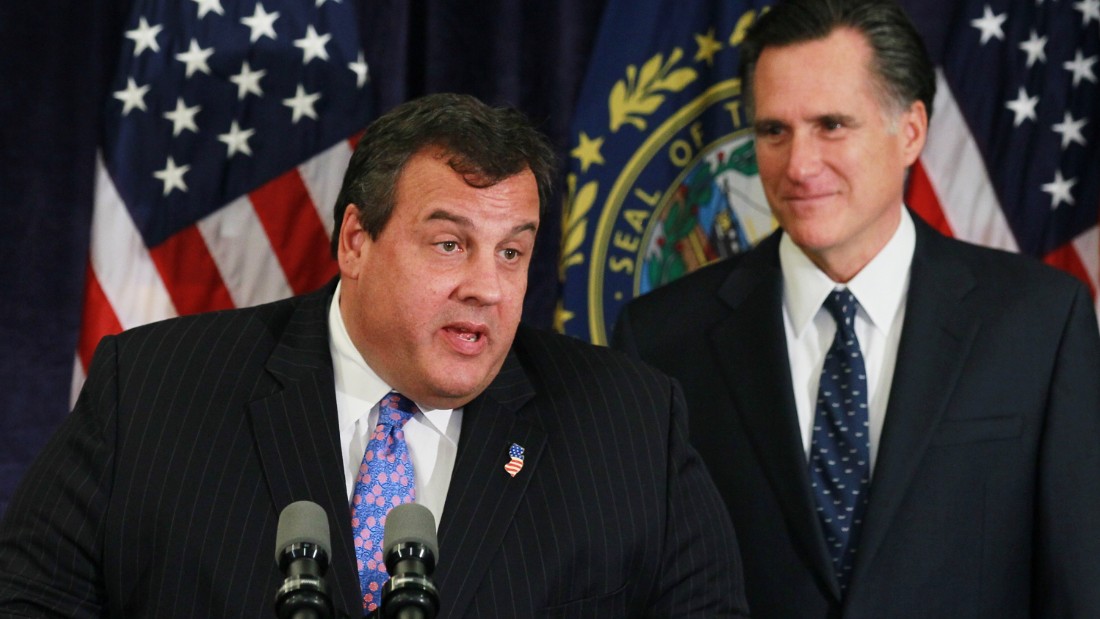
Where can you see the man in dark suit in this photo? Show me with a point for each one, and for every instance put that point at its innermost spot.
(160, 495)
(901, 424)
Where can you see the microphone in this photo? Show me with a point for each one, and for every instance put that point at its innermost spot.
(411, 550)
(302, 553)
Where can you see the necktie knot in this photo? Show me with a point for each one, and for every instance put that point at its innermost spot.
(841, 305)
(395, 410)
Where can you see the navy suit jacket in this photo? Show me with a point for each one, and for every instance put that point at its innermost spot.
(985, 499)
(161, 493)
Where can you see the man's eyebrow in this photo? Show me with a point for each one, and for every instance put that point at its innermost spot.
(440, 214)
(449, 216)
(846, 119)
(767, 122)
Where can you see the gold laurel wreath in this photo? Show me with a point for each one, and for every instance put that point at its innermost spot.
(575, 222)
(638, 96)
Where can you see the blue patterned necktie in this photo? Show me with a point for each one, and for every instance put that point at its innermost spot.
(385, 480)
(840, 463)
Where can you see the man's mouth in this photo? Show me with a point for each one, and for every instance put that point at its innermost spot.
(468, 336)
(466, 333)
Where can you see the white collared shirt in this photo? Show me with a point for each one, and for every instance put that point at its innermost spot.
(432, 435)
(881, 289)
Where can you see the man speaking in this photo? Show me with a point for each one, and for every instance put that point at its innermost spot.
(560, 473)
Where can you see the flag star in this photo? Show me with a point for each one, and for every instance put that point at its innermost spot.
(183, 117)
(236, 141)
(1070, 130)
(1081, 68)
(1089, 9)
(133, 96)
(313, 45)
(195, 58)
(990, 25)
(144, 37)
(302, 104)
(172, 176)
(248, 81)
(261, 23)
(1023, 107)
(361, 70)
(1035, 47)
(1059, 190)
(205, 6)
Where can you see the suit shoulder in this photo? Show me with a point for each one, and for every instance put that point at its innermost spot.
(702, 282)
(577, 360)
(1018, 274)
(217, 330)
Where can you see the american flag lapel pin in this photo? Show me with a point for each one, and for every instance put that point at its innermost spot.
(515, 460)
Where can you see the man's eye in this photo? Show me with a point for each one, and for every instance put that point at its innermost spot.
(511, 254)
(768, 130)
(449, 246)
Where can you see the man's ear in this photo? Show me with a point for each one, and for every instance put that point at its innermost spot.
(914, 131)
(352, 244)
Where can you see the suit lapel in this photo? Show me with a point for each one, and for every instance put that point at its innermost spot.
(938, 331)
(482, 497)
(298, 437)
(751, 345)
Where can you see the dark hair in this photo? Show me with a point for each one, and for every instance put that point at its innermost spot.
(900, 63)
(484, 144)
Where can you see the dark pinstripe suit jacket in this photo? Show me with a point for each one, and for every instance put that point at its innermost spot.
(160, 494)
(985, 500)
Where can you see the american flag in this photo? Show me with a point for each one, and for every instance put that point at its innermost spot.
(515, 460)
(221, 153)
(1013, 154)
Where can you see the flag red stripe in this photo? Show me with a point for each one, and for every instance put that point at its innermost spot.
(1067, 259)
(190, 273)
(297, 236)
(921, 197)
(98, 320)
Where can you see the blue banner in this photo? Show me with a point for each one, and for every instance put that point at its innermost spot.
(662, 172)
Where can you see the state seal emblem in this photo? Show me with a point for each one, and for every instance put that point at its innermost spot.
(663, 177)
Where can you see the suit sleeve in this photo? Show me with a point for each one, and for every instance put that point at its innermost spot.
(1068, 512)
(51, 539)
(702, 575)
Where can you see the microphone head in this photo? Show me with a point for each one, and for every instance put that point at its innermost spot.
(410, 523)
(302, 522)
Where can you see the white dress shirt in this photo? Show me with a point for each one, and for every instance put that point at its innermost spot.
(881, 289)
(432, 435)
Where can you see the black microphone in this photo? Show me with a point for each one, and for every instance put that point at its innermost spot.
(411, 550)
(302, 552)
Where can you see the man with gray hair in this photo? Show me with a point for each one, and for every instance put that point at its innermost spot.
(901, 424)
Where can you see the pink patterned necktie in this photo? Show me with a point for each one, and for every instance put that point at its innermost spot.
(385, 480)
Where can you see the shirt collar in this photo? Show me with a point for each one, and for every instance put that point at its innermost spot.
(879, 287)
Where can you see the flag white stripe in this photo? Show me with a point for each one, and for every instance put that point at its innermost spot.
(242, 251)
(956, 170)
(121, 261)
(323, 175)
(77, 380)
(1087, 246)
